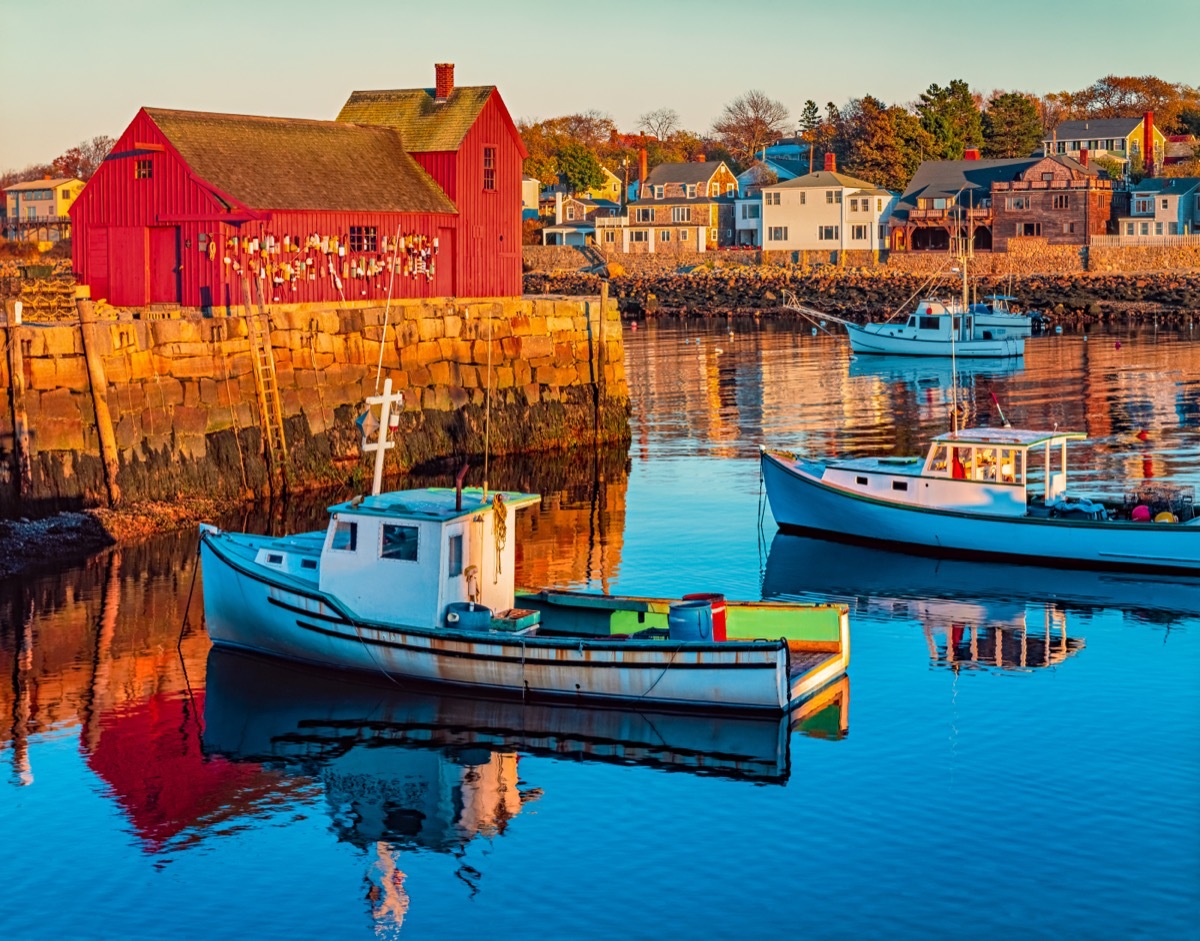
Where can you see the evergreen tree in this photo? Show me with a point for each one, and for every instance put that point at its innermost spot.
(810, 125)
(1012, 126)
(952, 117)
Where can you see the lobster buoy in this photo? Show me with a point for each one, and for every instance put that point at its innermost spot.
(1140, 514)
(1166, 516)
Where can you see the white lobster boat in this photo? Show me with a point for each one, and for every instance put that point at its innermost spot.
(934, 329)
(418, 585)
(972, 496)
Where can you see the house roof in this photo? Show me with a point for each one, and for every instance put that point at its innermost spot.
(1092, 128)
(1167, 185)
(944, 179)
(424, 125)
(823, 179)
(684, 173)
(42, 184)
(284, 163)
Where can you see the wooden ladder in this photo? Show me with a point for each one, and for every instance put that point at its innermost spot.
(270, 413)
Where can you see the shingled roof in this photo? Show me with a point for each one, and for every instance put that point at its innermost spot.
(423, 124)
(284, 163)
(684, 173)
(944, 179)
(1094, 128)
(823, 179)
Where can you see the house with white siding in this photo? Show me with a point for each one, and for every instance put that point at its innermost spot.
(825, 211)
(1160, 207)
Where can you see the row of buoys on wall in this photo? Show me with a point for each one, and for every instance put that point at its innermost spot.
(1141, 514)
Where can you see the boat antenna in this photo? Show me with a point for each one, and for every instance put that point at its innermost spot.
(387, 307)
(487, 414)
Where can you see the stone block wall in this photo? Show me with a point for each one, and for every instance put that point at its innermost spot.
(1143, 258)
(529, 373)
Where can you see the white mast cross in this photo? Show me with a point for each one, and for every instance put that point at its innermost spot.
(381, 445)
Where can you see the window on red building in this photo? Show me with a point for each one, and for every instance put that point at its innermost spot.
(489, 168)
(143, 168)
(363, 238)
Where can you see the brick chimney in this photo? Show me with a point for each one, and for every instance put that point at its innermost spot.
(1148, 141)
(642, 168)
(700, 158)
(1083, 156)
(831, 163)
(971, 153)
(445, 80)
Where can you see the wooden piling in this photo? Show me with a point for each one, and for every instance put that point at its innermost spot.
(16, 396)
(88, 327)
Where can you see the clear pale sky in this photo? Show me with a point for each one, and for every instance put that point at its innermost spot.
(73, 69)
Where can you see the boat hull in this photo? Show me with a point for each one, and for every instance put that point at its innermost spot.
(891, 343)
(802, 503)
(247, 609)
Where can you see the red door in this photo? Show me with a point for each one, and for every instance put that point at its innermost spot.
(127, 281)
(443, 277)
(164, 265)
(97, 261)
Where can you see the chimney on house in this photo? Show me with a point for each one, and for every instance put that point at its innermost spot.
(971, 153)
(558, 208)
(1083, 156)
(700, 158)
(1148, 141)
(831, 163)
(445, 81)
(642, 167)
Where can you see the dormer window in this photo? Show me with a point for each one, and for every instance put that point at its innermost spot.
(691, 191)
(658, 192)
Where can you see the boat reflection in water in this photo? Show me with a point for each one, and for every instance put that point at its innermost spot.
(403, 769)
(973, 613)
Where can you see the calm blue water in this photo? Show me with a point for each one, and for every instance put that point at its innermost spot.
(1016, 753)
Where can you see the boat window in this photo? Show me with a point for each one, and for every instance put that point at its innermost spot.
(454, 556)
(345, 537)
(308, 563)
(1010, 466)
(399, 542)
(274, 558)
(861, 480)
(899, 484)
(929, 323)
(912, 321)
(937, 463)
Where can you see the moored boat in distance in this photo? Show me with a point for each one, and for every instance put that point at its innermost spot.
(998, 493)
(418, 586)
(932, 329)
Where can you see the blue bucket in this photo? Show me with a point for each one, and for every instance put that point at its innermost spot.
(690, 620)
(468, 616)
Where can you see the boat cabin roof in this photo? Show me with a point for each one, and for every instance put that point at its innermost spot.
(431, 503)
(1007, 437)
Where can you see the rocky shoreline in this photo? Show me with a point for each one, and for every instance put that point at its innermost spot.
(863, 293)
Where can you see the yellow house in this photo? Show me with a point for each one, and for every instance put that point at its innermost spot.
(610, 189)
(1120, 138)
(37, 209)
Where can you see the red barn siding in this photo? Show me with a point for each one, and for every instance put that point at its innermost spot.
(489, 222)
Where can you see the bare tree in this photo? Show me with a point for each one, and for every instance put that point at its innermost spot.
(749, 123)
(661, 122)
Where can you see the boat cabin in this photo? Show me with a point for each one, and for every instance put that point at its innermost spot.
(412, 554)
(988, 469)
(1003, 456)
(932, 321)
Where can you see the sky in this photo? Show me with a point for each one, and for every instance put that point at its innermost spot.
(85, 69)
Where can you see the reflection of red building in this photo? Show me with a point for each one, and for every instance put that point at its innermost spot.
(149, 754)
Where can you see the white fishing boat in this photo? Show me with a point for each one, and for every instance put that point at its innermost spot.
(998, 493)
(418, 585)
(932, 329)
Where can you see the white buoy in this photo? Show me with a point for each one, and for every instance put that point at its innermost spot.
(1058, 329)
(814, 331)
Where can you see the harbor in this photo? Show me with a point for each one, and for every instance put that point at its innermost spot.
(185, 769)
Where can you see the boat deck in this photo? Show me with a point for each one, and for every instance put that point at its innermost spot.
(896, 466)
(803, 662)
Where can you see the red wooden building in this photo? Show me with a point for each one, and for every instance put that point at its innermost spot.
(414, 191)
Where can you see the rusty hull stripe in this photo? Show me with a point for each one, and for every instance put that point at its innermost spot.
(538, 661)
